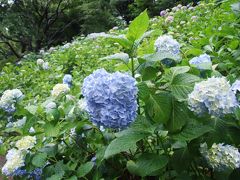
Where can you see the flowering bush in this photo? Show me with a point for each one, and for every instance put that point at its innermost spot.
(141, 121)
(111, 98)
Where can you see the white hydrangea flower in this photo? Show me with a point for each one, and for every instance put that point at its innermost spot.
(31, 130)
(221, 157)
(60, 89)
(9, 98)
(82, 105)
(20, 123)
(40, 62)
(236, 86)
(45, 66)
(15, 160)
(26, 143)
(50, 106)
(214, 96)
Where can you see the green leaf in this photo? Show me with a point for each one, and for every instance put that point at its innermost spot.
(123, 143)
(118, 56)
(39, 160)
(125, 43)
(182, 85)
(32, 109)
(84, 169)
(174, 71)
(194, 52)
(179, 116)
(51, 130)
(55, 177)
(159, 56)
(144, 91)
(192, 131)
(147, 164)
(138, 26)
(159, 107)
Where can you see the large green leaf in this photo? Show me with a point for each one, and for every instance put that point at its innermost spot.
(147, 164)
(39, 160)
(182, 85)
(179, 116)
(159, 107)
(51, 130)
(138, 26)
(192, 131)
(123, 143)
(84, 169)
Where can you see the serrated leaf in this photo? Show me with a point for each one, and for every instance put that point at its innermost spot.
(159, 107)
(159, 56)
(39, 160)
(51, 131)
(182, 85)
(179, 116)
(118, 56)
(192, 131)
(146, 164)
(123, 143)
(84, 169)
(138, 26)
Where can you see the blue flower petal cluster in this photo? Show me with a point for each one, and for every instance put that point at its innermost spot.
(213, 96)
(166, 44)
(236, 86)
(221, 157)
(202, 62)
(67, 79)
(111, 98)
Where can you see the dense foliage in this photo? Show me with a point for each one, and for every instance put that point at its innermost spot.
(157, 100)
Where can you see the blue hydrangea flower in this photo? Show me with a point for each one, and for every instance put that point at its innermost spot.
(20, 172)
(213, 96)
(236, 86)
(221, 157)
(202, 62)
(36, 174)
(169, 47)
(67, 79)
(111, 98)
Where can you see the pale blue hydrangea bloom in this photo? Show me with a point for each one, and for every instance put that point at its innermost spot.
(15, 160)
(202, 62)
(67, 79)
(167, 44)
(221, 157)
(213, 96)
(236, 86)
(111, 98)
(9, 98)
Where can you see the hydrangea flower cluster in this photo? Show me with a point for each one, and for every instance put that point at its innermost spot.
(213, 96)
(169, 19)
(18, 124)
(111, 98)
(67, 79)
(60, 89)
(221, 157)
(26, 143)
(15, 160)
(41, 63)
(236, 86)
(9, 98)
(167, 45)
(202, 62)
(50, 106)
